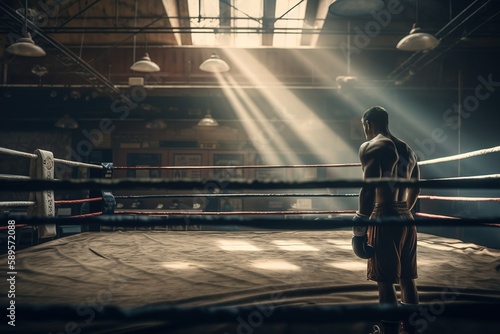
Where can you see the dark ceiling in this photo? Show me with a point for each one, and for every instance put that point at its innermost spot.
(90, 47)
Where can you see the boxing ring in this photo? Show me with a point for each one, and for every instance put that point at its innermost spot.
(192, 271)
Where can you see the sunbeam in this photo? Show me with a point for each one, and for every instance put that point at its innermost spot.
(301, 121)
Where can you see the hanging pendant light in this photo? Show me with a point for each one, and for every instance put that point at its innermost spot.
(214, 64)
(355, 7)
(66, 122)
(25, 46)
(417, 40)
(39, 71)
(145, 64)
(208, 120)
(156, 124)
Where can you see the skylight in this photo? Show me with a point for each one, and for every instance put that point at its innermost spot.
(241, 23)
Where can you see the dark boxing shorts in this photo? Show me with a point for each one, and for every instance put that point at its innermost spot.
(395, 245)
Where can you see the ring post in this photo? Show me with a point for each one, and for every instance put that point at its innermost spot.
(108, 203)
(42, 168)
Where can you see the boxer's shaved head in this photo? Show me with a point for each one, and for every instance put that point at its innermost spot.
(378, 116)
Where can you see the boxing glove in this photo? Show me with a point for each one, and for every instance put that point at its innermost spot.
(359, 240)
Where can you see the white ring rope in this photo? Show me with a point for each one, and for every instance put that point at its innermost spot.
(77, 163)
(354, 164)
(462, 199)
(421, 163)
(16, 204)
(34, 156)
(14, 177)
(461, 156)
(489, 176)
(17, 153)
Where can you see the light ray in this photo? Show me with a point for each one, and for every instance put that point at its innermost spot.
(182, 265)
(349, 265)
(275, 265)
(262, 133)
(294, 245)
(237, 245)
(278, 96)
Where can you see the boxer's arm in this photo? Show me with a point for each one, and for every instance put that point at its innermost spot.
(412, 193)
(370, 163)
(359, 241)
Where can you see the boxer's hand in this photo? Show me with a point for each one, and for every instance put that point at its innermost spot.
(359, 240)
(359, 231)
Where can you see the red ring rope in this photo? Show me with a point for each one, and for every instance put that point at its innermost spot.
(459, 198)
(76, 201)
(354, 164)
(431, 215)
(4, 228)
(228, 213)
(87, 215)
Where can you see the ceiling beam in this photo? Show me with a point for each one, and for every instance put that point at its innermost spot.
(224, 23)
(172, 9)
(268, 23)
(309, 20)
(316, 12)
(184, 20)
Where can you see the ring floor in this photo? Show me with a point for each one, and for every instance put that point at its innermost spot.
(234, 268)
